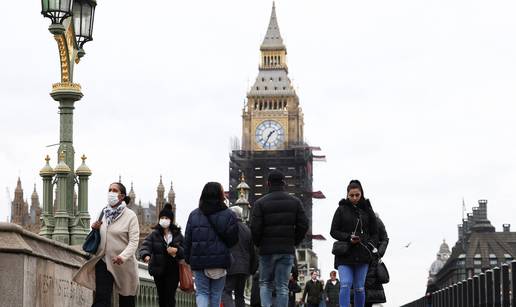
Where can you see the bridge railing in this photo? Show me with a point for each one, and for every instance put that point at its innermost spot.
(494, 288)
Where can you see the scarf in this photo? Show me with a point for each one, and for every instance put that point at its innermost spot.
(112, 214)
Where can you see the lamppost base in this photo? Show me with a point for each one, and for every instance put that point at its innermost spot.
(56, 28)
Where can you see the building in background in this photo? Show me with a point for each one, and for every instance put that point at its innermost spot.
(273, 132)
(21, 213)
(479, 248)
(148, 215)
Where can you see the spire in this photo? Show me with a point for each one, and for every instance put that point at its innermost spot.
(273, 40)
(18, 185)
(161, 187)
(34, 193)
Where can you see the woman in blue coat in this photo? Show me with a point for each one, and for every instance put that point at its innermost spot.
(211, 231)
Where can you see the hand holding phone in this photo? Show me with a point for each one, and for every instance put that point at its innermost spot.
(355, 239)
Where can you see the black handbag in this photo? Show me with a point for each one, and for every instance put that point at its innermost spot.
(92, 241)
(382, 275)
(340, 248)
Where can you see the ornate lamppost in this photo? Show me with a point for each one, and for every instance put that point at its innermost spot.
(72, 26)
(243, 199)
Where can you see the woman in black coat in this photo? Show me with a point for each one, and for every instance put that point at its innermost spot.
(162, 249)
(374, 289)
(354, 223)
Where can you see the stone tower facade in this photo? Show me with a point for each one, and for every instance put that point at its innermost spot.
(172, 198)
(21, 214)
(272, 131)
(160, 199)
(272, 118)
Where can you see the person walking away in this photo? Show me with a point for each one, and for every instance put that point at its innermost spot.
(314, 291)
(244, 265)
(354, 221)
(162, 249)
(211, 231)
(375, 293)
(278, 224)
(293, 289)
(332, 290)
(114, 263)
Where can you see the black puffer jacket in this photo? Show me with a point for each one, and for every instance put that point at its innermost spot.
(278, 222)
(208, 246)
(374, 290)
(155, 246)
(347, 217)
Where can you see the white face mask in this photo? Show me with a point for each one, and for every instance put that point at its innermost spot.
(112, 198)
(164, 223)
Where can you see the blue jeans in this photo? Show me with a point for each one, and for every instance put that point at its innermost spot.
(208, 291)
(352, 275)
(274, 272)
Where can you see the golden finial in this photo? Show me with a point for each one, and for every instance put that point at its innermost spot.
(62, 155)
(47, 158)
(83, 158)
(242, 177)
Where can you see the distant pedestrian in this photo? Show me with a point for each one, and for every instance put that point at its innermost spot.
(332, 290)
(278, 224)
(293, 289)
(115, 261)
(211, 231)
(354, 222)
(375, 293)
(162, 249)
(431, 287)
(245, 263)
(313, 292)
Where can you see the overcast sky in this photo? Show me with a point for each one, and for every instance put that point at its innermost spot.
(414, 98)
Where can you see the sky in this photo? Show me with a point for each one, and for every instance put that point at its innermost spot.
(415, 98)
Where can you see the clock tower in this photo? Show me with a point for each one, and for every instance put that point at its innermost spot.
(272, 119)
(272, 131)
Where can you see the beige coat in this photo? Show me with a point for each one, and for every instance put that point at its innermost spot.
(118, 239)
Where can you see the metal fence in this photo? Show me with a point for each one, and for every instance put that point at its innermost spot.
(493, 288)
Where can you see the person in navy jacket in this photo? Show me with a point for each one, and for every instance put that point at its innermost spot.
(211, 231)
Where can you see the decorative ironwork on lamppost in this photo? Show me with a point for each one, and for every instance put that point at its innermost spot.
(243, 198)
(72, 27)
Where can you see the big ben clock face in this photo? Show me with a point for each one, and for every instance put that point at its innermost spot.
(270, 134)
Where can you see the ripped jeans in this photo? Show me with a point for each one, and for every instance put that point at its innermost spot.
(353, 275)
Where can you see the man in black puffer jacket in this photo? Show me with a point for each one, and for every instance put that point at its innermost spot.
(278, 224)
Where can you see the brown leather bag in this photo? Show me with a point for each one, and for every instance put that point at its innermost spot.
(186, 283)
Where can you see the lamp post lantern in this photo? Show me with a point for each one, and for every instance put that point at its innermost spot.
(71, 26)
(243, 199)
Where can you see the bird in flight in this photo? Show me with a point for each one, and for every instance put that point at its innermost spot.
(408, 244)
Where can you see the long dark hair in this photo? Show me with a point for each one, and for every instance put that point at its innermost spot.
(123, 191)
(212, 193)
(212, 198)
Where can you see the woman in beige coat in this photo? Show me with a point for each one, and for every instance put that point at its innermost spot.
(115, 261)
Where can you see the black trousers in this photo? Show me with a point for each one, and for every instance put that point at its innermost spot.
(104, 289)
(235, 283)
(166, 285)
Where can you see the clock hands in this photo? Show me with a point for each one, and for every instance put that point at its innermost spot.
(270, 134)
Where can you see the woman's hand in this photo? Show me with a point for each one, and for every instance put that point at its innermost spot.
(96, 225)
(146, 259)
(118, 260)
(172, 251)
